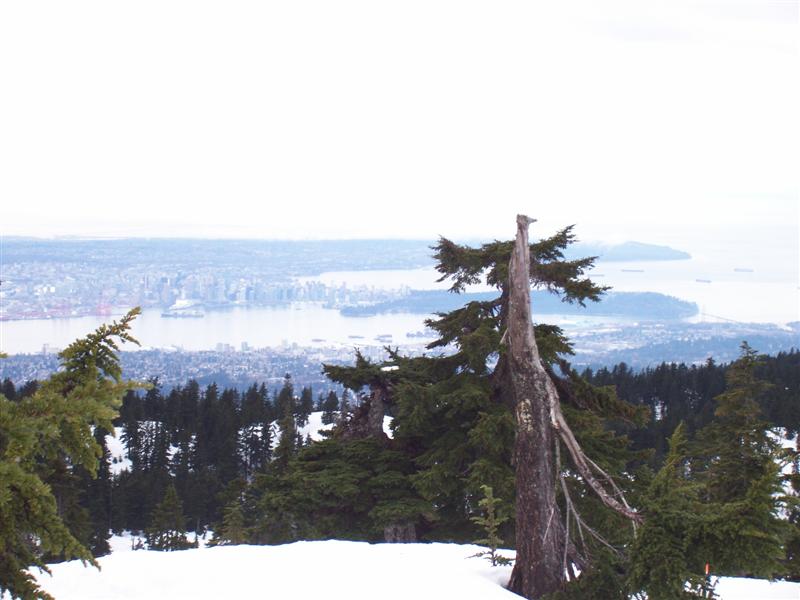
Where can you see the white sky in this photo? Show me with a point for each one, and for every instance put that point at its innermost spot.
(340, 118)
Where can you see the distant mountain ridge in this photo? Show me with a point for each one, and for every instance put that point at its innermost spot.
(630, 251)
(297, 258)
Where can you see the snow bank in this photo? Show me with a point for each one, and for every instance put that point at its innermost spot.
(352, 570)
(730, 588)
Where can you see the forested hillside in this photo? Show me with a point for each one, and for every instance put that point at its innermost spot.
(209, 440)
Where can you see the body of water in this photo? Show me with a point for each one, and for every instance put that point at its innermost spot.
(302, 324)
(725, 285)
(746, 290)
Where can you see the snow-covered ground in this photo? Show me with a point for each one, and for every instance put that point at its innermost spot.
(351, 570)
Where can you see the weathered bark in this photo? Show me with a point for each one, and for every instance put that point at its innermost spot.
(367, 419)
(400, 533)
(541, 539)
(377, 410)
(544, 551)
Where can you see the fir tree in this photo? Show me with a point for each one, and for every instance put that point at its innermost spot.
(233, 527)
(167, 529)
(305, 406)
(741, 476)
(56, 421)
(329, 406)
(345, 489)
(225, 440)
(490, 523)
(288, 442)
(97, 498)
(460, 413)
(793, 537)
(667, 555)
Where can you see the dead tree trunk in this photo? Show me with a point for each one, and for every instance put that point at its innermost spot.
(544, 550)
(377, 410)
(541, 539)
(367, 419)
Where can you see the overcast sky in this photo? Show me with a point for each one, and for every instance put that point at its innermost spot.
(335, 119)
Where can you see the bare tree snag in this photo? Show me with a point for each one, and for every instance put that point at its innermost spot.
(366, 419)
(377, 410)
(541, 539)
(544, 551)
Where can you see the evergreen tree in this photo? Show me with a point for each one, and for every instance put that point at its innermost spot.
(205, 484)
(793, 537)
(226, 437)
(233, 530)
(255, 448)
(461, 412)
(305, 406)
(7, 390)
(344, 407)
(252, 406)
(189, 406)
(97, 498)
(329, 406)
(167, 530)
(56, 421)
(344, 489)
(490, 523)
(741, 478)
(288, 442)
(667, 554)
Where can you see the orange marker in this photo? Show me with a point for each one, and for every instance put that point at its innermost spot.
(708, 568)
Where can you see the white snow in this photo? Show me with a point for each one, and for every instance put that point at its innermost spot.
(352, 570)
(734, 588)
(387, 426)
(127, 541)
(118, 452)
(314, 427)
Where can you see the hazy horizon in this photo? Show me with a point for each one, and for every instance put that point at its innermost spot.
(637, 120)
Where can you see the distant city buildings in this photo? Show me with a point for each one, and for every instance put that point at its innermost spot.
(44, 290)
(43, 279)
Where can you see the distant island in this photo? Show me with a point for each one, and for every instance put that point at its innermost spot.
(636, 305)
(629, 251)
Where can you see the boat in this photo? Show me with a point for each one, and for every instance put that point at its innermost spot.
(633, 270)
(742, 270)
(184, 309)
(703, 280)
